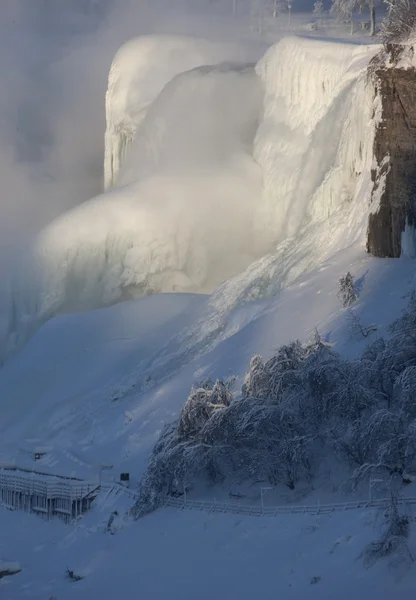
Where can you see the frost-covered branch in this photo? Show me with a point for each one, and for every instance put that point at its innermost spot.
(400, 22)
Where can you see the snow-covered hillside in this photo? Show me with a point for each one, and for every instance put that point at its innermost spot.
(256, 176)
(97, 388)
(100, 386)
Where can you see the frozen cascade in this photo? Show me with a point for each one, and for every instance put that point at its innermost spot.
(139, 72)
(192, 211)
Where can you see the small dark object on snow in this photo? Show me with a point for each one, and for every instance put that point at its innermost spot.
(315, 580)
(236, 495)
(9, 571)
(176, 494)
(125, 477)
(73, 575)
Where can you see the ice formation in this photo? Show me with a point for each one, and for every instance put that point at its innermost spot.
(218, 176)
(315, 149)
(140, 70)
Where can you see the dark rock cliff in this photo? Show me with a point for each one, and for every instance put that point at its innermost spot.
(395, 154)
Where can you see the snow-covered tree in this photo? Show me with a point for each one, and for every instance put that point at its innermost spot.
(281, 372)
(344, 9)
(279, 7)
(199, 406)
(394, 539)
(371, 5)
(318, 10)
(303, 403)
(400, 21)
(372, 8)
(347, 292)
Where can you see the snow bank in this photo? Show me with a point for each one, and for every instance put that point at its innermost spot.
(140, 70)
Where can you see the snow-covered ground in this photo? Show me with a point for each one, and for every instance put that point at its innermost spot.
(98, 387)
(194, 555)
(257, 176)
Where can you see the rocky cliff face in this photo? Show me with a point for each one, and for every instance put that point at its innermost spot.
(395, 154)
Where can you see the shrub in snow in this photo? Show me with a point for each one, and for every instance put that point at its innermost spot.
(358, 329)
(347, 292)
(257, 380)
(395, 536)
(342, 9)
(73, 576)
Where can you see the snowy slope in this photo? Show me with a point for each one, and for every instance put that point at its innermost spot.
(100, 386)
(189, 556)
(97, 387)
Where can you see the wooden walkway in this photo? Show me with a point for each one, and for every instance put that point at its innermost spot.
(46, 495)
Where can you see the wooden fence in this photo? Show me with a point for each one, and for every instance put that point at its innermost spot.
(274, 511)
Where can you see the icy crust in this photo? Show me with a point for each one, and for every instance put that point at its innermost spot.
(140, 70)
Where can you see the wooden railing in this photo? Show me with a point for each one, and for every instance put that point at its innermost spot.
(274, 511)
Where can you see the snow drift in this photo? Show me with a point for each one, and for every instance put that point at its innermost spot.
(191, 211)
